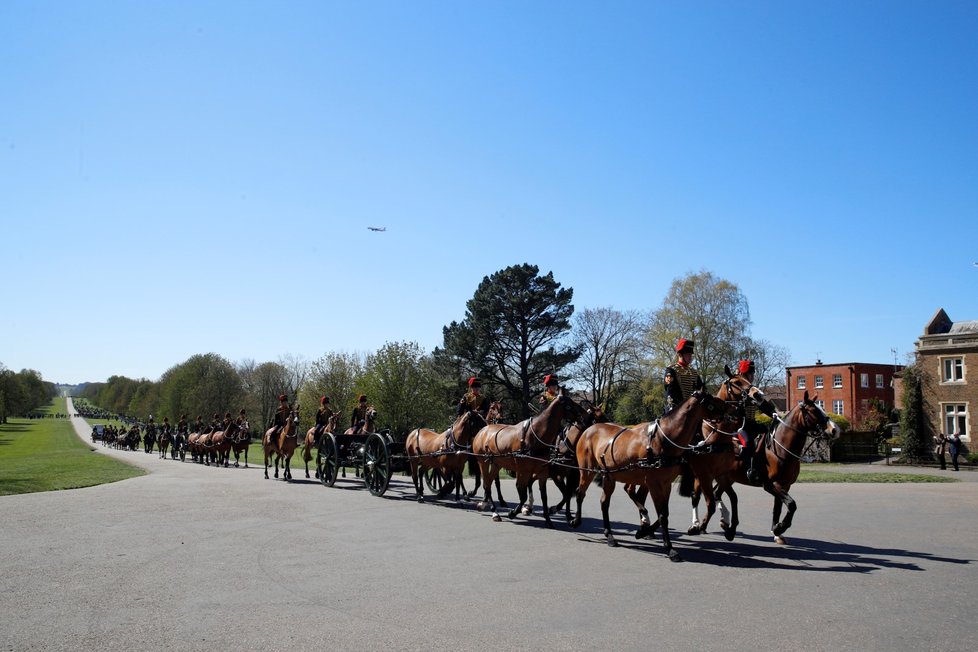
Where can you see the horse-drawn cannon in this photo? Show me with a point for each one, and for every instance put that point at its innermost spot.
(375, 456)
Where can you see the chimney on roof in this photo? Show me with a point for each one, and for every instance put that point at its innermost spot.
(818, 362)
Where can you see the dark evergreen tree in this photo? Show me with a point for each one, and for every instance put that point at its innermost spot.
(514, 333)
(915, 442)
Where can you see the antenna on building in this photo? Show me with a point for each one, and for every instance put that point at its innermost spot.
(894, 352)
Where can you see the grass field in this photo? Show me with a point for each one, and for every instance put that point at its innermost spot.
(46, 455)
(816, 475)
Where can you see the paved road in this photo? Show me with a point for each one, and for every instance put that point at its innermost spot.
(196, 558)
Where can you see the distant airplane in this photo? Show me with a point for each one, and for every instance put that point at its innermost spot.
(377, 228)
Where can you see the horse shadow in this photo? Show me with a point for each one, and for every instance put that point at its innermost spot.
(754, 551)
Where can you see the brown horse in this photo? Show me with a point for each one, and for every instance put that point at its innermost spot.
(783, 453)
(240, 442)
(648, 454)
(525, 450)
(282, 445)
(718, 455)
(492, 416)
(445, 452)
(310, 442)
(166, 438)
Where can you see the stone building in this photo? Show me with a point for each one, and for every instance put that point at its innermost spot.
(947, 355)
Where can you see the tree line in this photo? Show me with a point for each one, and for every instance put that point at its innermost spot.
(519, 326)
(22, 392)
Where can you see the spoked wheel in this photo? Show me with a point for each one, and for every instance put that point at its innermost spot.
(329, 462)
(434, 479)
(376, 464)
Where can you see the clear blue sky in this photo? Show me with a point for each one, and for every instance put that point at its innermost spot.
(187, 177)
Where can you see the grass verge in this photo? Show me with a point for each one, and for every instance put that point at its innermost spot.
(46, 455)
(814, 475)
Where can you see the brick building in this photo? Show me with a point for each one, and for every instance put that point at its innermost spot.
(945, 353)
(845, 388)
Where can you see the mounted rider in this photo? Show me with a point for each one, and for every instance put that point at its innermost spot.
(681, 378)
(358, 419)
(281, 416)
(551, 387)
(199, 424)
(757, 463)
(323, 415)
(182, 425)
(473, 400)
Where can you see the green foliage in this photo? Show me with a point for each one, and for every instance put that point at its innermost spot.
(913, 434)
(22, 393)
(972, 458)
(398, 382)
(710, 310)
(335, 375)
(47, 455)
(840, 421)
(513, 333)
(203, 385)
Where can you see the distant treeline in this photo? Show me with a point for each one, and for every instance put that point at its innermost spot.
(22, 392)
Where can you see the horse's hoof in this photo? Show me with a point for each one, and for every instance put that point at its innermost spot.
(612, 543)
(554, 510)
(512, 514)
(526, 511)
(778, 539)
(674, 556)
(495, 518)
(575, 522)
(480, 506)
(420, 499)
(644, 531)
(694, 530)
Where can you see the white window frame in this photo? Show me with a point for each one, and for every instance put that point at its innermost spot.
(801, 382)
(837, 381)
(879, 381)
(820, 403)
(952, 370)
(864, 380)
(840, 404)
(954, 411)
(819, 382)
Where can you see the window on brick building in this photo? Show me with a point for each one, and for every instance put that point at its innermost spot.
(801, 382)
(879, 381)
(952, 370)
(837, 406)
(837, 381)
(956, 418)
(818, 382)
(821, 404)
(864, 380)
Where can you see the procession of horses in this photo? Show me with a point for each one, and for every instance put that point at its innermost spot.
(568, 442)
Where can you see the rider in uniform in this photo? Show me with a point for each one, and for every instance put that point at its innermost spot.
(323, 415)
(199, 424)
(358, 419)
(681, 379)
(473, 401)
(550, 388)
(281, 416)
(757, 466)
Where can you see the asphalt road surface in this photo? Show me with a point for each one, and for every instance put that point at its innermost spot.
(197, 558)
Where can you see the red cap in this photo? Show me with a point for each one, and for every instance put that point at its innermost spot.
(474, 382)
(324, 400)
(550, 379)
(684, 344)
(281, 397)
(745, 366)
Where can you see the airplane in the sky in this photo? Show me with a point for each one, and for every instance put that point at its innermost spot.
(377, 228)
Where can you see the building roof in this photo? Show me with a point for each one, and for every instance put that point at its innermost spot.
(964, 327)
(844, 364)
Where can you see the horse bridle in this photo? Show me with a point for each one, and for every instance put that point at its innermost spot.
(815, 432)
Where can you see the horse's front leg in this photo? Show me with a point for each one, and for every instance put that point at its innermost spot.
(780, 496)
(660, 499)
(543, 500)
(607, 488)
(418, 480)
(728, 521)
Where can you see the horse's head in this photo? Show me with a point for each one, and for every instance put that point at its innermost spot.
(331, 422)
(571, 410)
(714, 407)
(736, 388)
(370, 418)
(495, 410)
(812, 419)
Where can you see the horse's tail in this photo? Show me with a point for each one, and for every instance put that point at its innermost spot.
(686, 480)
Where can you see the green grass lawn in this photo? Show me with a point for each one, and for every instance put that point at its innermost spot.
(816, 475)
(46, 455)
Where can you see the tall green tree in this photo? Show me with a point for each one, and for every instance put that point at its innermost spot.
(710, 310)
(397, 381)
(515, 332)
(913, 433)
(336, 375)
(203, 384)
